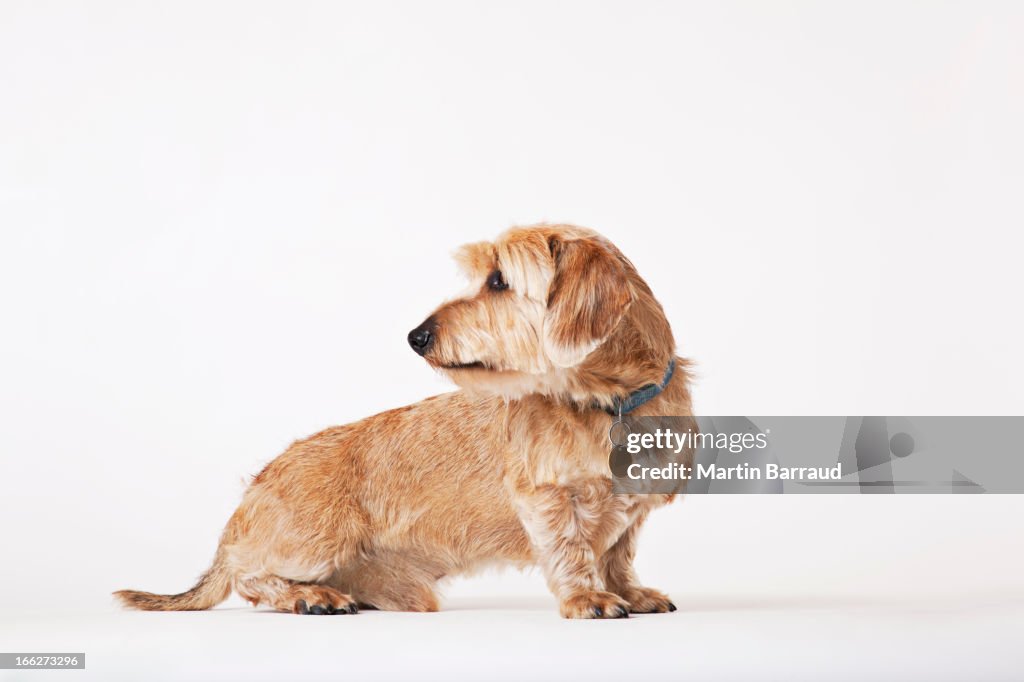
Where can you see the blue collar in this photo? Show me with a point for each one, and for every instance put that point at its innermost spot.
(642, 395)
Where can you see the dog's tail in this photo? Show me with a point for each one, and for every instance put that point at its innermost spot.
(213, 588)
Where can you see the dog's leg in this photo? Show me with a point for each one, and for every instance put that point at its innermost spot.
(564, 524)
(391, 583)
(619, 577)
(289, 595)
(398, 596)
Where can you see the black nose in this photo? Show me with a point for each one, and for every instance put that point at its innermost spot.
(422, 337)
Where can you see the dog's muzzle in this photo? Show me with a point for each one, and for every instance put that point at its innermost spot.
(422, 337)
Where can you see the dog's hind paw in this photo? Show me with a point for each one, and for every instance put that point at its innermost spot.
(594, 604)
(320, 601)
(647, 600)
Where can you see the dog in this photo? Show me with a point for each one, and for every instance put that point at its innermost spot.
(556, 335)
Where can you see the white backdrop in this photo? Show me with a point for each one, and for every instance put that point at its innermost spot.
(219, 220)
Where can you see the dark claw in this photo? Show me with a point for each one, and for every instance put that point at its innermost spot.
(353, 608)
(671, 606)
(621, 612)
(301, 607)
(330, 609)
(317, 610)
(598, 611)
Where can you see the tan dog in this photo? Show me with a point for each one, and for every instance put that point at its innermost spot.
(557, 331)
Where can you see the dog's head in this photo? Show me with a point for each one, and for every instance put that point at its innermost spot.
(544, 303)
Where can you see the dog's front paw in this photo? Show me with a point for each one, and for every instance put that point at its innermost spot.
(594, 604)
(647, 600)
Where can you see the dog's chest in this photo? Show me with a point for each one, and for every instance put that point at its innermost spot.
(554, 448)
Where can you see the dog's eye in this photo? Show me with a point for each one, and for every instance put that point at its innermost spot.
(495, 282)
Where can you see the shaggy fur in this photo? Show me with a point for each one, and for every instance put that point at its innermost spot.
(513, 469)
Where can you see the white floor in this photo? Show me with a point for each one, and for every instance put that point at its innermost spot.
(842, 587)
(712, 636)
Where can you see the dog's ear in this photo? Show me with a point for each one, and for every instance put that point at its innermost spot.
(589, 294)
